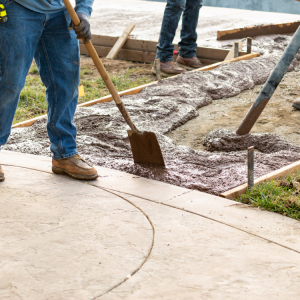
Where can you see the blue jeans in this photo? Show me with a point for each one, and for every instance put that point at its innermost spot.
(187, 45)
(46, 38)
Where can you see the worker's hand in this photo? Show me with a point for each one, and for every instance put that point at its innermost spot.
(83, 30)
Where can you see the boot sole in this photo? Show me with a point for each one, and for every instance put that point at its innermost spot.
(60, 171)
(165, 74)
(2, 179)
(187, 67)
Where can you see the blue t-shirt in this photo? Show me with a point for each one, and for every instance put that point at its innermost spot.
(50, 6)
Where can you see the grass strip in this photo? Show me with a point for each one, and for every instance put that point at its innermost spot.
(280, 196)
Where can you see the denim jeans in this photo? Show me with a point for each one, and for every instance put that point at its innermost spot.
(187, 45)
(46, 38)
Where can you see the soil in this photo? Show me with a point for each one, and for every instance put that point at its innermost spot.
(116, 67)
(278, 117)
(174, 108)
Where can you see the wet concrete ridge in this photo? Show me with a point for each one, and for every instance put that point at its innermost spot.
(126, 237)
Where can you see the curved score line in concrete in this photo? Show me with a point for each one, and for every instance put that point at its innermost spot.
(188, 211)
(180, 209)
(80, 223)
(212, 219)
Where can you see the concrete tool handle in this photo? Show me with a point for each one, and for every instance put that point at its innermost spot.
(271, 85)
(93, 54)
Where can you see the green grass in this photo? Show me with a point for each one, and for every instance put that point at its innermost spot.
(33, 98)
(280, 196)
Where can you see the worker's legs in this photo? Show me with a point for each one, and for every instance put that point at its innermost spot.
(58, 59)
(188, 43)
(169, 26)
(18, 39)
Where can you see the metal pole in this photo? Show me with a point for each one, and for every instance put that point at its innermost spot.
(236, 49)
(249, 45)
(157, 68)
(271, 85)
(250, 167)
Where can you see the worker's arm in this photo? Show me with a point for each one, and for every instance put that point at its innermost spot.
(84, 10)
(84, 6)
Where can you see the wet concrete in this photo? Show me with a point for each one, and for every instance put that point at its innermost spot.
(102, 136)
(228, 141)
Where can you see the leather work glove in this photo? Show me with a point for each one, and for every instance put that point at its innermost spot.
(83, 30)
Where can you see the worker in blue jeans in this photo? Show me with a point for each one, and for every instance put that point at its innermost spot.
(187, 59)
(40, 29)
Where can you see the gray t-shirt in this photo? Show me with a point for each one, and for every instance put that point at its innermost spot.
(50, 6)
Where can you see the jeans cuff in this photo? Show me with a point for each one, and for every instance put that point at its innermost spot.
(188, 55)
(64, 156)
(163, 60)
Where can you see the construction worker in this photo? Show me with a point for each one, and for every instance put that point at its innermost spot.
(187, 58)
(39, 29)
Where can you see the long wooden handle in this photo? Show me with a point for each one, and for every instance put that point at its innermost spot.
(93, 54)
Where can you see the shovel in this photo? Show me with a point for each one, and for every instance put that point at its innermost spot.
(144, 145)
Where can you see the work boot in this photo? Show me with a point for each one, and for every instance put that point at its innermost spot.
(190, 63)
(1, 174)
(168, 68)
(296, 104)
(75, 167)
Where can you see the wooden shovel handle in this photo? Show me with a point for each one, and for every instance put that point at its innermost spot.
(93, 54)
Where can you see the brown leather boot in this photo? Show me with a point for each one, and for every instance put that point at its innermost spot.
(191, 63)
(1, 174)
(75, 167)
(168, 69)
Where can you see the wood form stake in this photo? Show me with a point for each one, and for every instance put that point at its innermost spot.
(157, 69)
(120, 42)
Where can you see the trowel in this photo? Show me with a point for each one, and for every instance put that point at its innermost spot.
(144, 145)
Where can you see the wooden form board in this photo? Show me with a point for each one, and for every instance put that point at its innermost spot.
(138, 89)
(120, 42)
(233, 193)
(240, 33)
(145, 51)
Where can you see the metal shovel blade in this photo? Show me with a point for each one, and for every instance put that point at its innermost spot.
(145, 148)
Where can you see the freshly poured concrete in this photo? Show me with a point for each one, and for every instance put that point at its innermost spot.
(126, 237)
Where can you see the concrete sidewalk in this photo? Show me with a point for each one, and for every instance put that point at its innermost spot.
(126, 237)
(111, 17)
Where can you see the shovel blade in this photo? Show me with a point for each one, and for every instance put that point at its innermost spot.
(145, 148)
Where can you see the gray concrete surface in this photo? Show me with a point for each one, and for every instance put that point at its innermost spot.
(111, 18)
(126, 237)
(281, 6)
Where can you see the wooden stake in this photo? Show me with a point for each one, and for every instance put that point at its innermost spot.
(120, 42)
(157, 68)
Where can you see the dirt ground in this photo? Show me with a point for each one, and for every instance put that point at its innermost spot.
(117, 67)
(278, 117)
